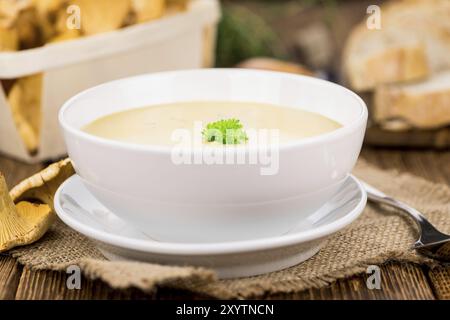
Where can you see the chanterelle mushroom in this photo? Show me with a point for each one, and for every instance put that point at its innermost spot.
(28, 220)
(23, 223)
(42, 186)
(25, 102)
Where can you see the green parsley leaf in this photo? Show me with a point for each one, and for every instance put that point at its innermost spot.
(227, 131)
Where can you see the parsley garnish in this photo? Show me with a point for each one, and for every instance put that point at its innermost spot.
(227, 131)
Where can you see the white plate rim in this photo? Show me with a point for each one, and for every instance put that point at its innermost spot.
(171, 248)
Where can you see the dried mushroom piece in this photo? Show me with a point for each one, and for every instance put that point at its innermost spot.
(33, 23)
(9, 39)
(147, 10)
(68, 35)
(25, 102)
(27, 211)
(60, 23)
(52, 19)
(42, 186)
(47, 11)
(10, 10)
(27, 25)
(47, 28)
(177, 5)
(48, 7)
(102, 15)
(23, 223)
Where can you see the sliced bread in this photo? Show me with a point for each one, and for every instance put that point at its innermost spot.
(264, 63)
(424, 104)
(413, 42)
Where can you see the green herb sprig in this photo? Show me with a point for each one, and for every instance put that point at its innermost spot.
(226, 131)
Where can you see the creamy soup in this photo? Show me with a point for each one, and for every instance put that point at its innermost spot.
(155, 124)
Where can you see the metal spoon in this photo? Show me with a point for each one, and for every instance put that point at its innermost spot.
(431, 242)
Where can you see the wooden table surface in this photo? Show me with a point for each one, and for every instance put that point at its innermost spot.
(399, 281)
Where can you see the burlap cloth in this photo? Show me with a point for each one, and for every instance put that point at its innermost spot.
(377, 236)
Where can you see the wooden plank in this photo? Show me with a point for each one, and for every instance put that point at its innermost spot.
(15, 171)
(51, 285)
(437, 138)
(398, 282)
(406, 281)
(38, 285)
(431, 165)
(10, 272)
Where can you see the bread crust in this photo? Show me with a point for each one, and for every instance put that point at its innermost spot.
(425, 110)
(413, 42)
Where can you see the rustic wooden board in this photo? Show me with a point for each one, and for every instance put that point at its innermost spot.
(39, 285)
(15, 171)
(10, 273)
(398, 282)
(437, 138)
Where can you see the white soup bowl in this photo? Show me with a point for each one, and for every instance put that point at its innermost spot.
(214, 202)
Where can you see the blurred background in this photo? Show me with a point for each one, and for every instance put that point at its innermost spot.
(311, 32)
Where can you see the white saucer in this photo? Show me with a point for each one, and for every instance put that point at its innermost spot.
(119, 241)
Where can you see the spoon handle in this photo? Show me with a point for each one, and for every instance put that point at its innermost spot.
(376, 195)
